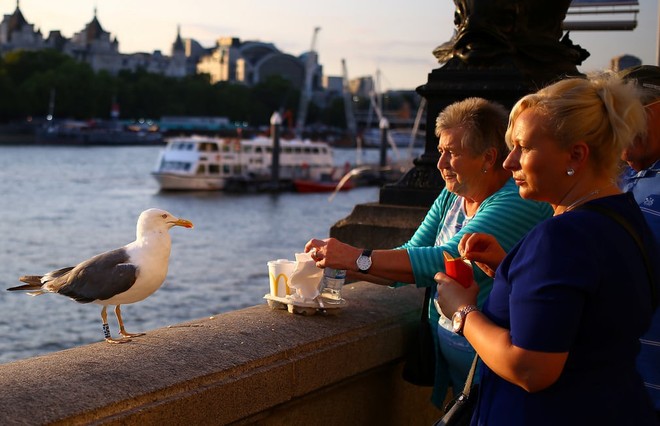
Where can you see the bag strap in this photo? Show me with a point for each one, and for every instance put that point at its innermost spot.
(470, 377)
(427, 301)
(628, 227)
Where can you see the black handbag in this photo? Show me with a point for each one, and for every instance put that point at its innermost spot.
(458, 411)
(419, 368)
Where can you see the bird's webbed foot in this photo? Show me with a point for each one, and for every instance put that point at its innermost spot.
(122, 340)
(122, 330)
(126, 334)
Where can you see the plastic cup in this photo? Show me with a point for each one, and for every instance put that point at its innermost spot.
(279, 272)
(458, 269)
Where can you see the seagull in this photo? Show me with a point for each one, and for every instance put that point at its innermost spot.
(117, 277)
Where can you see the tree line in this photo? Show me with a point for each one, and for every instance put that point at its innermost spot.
(31, 80)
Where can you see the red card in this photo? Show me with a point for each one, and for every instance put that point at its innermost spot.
(459, 269)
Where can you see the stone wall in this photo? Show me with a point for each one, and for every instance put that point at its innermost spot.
(252, 366)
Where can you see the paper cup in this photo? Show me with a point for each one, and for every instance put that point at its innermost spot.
(458, 269)
(279, 272)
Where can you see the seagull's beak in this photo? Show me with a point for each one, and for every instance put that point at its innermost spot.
(183, 222)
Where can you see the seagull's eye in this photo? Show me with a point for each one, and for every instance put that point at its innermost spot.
(164, 216)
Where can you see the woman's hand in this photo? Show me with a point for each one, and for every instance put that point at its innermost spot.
(332, 253)
(482, 249)
(317, 249)
(452, 296)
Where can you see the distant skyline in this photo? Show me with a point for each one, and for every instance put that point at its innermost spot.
(393, 37)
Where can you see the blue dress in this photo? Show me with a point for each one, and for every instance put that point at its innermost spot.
(576, 283)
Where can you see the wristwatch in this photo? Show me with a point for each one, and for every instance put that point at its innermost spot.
(364, 261)
(458, 319)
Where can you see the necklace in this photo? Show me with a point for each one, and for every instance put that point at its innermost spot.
(585, 198)
(582, 199)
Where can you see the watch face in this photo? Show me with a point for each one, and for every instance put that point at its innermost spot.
(363, 263)
(457, 321)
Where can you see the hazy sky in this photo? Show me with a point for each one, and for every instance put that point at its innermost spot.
(395, 37)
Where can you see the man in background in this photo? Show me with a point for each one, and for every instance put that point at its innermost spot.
(642, 178)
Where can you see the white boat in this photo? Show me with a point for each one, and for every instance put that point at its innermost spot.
(209, 163)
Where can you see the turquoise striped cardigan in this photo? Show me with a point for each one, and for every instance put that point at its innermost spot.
(504, 215)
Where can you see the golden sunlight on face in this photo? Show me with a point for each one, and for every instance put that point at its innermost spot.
(644, 152)
(537, 163)
(634, 153)
(460, 170)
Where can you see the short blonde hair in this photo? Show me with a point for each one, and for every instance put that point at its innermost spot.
(601, 110)
(484, 123)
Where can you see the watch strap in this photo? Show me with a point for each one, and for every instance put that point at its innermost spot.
(464, 311)
(469, 308)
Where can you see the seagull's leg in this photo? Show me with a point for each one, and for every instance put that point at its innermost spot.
(106, 327)
(122, 330)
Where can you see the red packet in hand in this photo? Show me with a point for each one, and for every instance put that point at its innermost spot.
(458, 269)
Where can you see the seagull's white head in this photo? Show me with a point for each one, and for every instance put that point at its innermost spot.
(157, 220)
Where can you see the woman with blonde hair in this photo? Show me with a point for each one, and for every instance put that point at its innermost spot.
(560, 330)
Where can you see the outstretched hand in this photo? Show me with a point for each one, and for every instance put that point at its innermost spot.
(482, 249)
(316, 248)
(332, 253)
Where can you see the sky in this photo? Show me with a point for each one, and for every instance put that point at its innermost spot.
(393, 40)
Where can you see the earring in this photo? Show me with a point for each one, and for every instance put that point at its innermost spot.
(570, 172)
(484, 171)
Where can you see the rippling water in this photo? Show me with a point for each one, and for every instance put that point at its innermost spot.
(61, 205)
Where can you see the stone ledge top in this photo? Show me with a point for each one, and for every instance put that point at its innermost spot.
(100, 380)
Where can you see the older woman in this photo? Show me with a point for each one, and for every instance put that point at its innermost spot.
(479, 196)
(560, 330)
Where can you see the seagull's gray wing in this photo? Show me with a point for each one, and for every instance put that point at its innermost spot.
(99, 278)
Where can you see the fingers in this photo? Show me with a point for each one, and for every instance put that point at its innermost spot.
(317, 255)
(332, 253)
(452, 295)
(463, 244)
(476, 246)
(311, 244)
(315, 244)
(471, 243)
(441, 278)
(317, 250)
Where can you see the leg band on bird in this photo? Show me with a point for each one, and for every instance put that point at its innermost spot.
(106, 330)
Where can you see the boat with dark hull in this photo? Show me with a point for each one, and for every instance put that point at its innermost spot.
(96, 133)
(311, 186)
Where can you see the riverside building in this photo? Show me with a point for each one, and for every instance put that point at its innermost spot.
(231, 60)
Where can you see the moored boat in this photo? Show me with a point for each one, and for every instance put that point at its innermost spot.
(208, 163)
(70, 132)
(308, 186)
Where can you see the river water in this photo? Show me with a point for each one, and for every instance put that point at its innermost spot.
(62, 205)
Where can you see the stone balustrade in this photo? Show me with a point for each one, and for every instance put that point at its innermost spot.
(252, 366)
